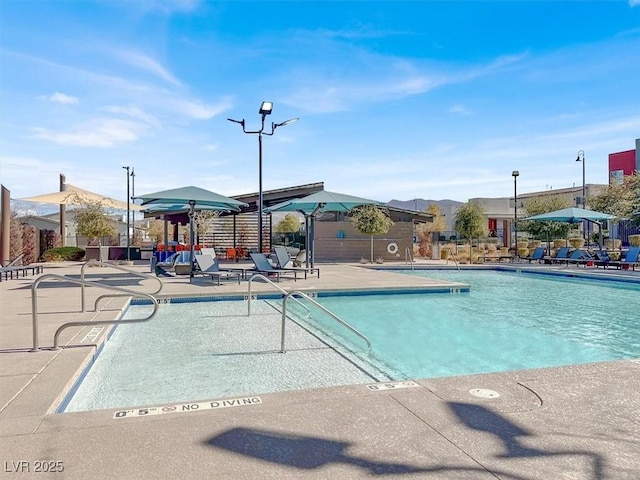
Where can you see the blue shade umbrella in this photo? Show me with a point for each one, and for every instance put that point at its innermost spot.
(322, 201)
(189, 195)
(573, 215)
(193, 198)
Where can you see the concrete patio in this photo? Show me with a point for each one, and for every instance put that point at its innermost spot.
(579, 422)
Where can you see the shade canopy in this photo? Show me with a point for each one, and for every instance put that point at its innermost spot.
(322, 201)
(186, 195)
(173, 209)
(77, 196)
(571, 215)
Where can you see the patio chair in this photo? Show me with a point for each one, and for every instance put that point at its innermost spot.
(262, 265)
(163, 268)
(209, 266)
(630, 259)
(284, 262)
(602, 259)
(537, 255)
(561, 255)
(183, 265)
(580, 257)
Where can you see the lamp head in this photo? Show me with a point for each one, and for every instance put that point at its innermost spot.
(266, 108)
(241, 122)
(515, 173)
(286, 122)
(580, 156)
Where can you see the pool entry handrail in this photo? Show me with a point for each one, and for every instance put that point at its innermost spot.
(324, 309)
(453, 255)
(117, 267)
(259, 275)
(34, 307)
(408, 257)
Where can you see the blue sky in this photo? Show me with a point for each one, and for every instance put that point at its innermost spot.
(430, 99)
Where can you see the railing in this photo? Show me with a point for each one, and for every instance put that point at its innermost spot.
(258, 275)
(34, 308)
(453, 255)
(117, 267)
(327, 311)
(408, 257)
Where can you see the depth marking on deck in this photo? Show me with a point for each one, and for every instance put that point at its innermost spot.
(187, 407)
(92, 335)
(392, 385)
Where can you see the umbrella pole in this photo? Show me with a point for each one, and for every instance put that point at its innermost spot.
(192, 213)
(63, 211)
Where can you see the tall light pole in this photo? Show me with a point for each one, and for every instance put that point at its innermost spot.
(128, 209)
(133, 195)
(265, 109)
(515, 175)
(583, 200)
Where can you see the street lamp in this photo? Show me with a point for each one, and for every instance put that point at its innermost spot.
(583, 200)
(128, 208)
(515, 175)
(265, 109)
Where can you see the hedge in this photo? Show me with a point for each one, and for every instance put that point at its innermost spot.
(61, 254)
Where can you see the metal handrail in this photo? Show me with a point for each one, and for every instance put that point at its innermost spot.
(453, 255)
(117, 267)
(259, 275)
(34, 307)
(324, 309)
(408, 257)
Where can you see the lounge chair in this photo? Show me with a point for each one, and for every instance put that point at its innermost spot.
(561, 256)
(580, 257)
(284, 262)
(630, 259)
(537, 255)
(499, 258)
(163, 268)
(183, 265)
(209, 266)
(602, 259)
(263, 266)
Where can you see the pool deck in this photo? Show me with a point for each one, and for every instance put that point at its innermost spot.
(579, 422)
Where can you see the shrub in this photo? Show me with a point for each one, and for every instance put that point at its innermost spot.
(61, 254)
(634, 240)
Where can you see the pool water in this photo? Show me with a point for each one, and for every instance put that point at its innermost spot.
(507, 321)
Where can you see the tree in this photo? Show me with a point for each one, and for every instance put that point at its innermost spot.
(541, 205)
(204, 222)
(92, 220)
(426, 229)
(289, 224)
(15, 237)
(156, 231)
(370, 220)
(621, 200)
(470, 222)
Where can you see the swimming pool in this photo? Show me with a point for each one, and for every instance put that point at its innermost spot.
(507, 321)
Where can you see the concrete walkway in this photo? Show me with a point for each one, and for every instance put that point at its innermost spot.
(579, 422)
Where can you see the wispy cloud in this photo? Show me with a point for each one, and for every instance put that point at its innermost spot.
(200, 110)
(58, 97)
(102, 132)
(458, 110)
(634, 3)
(133, 112)
(146, 63)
